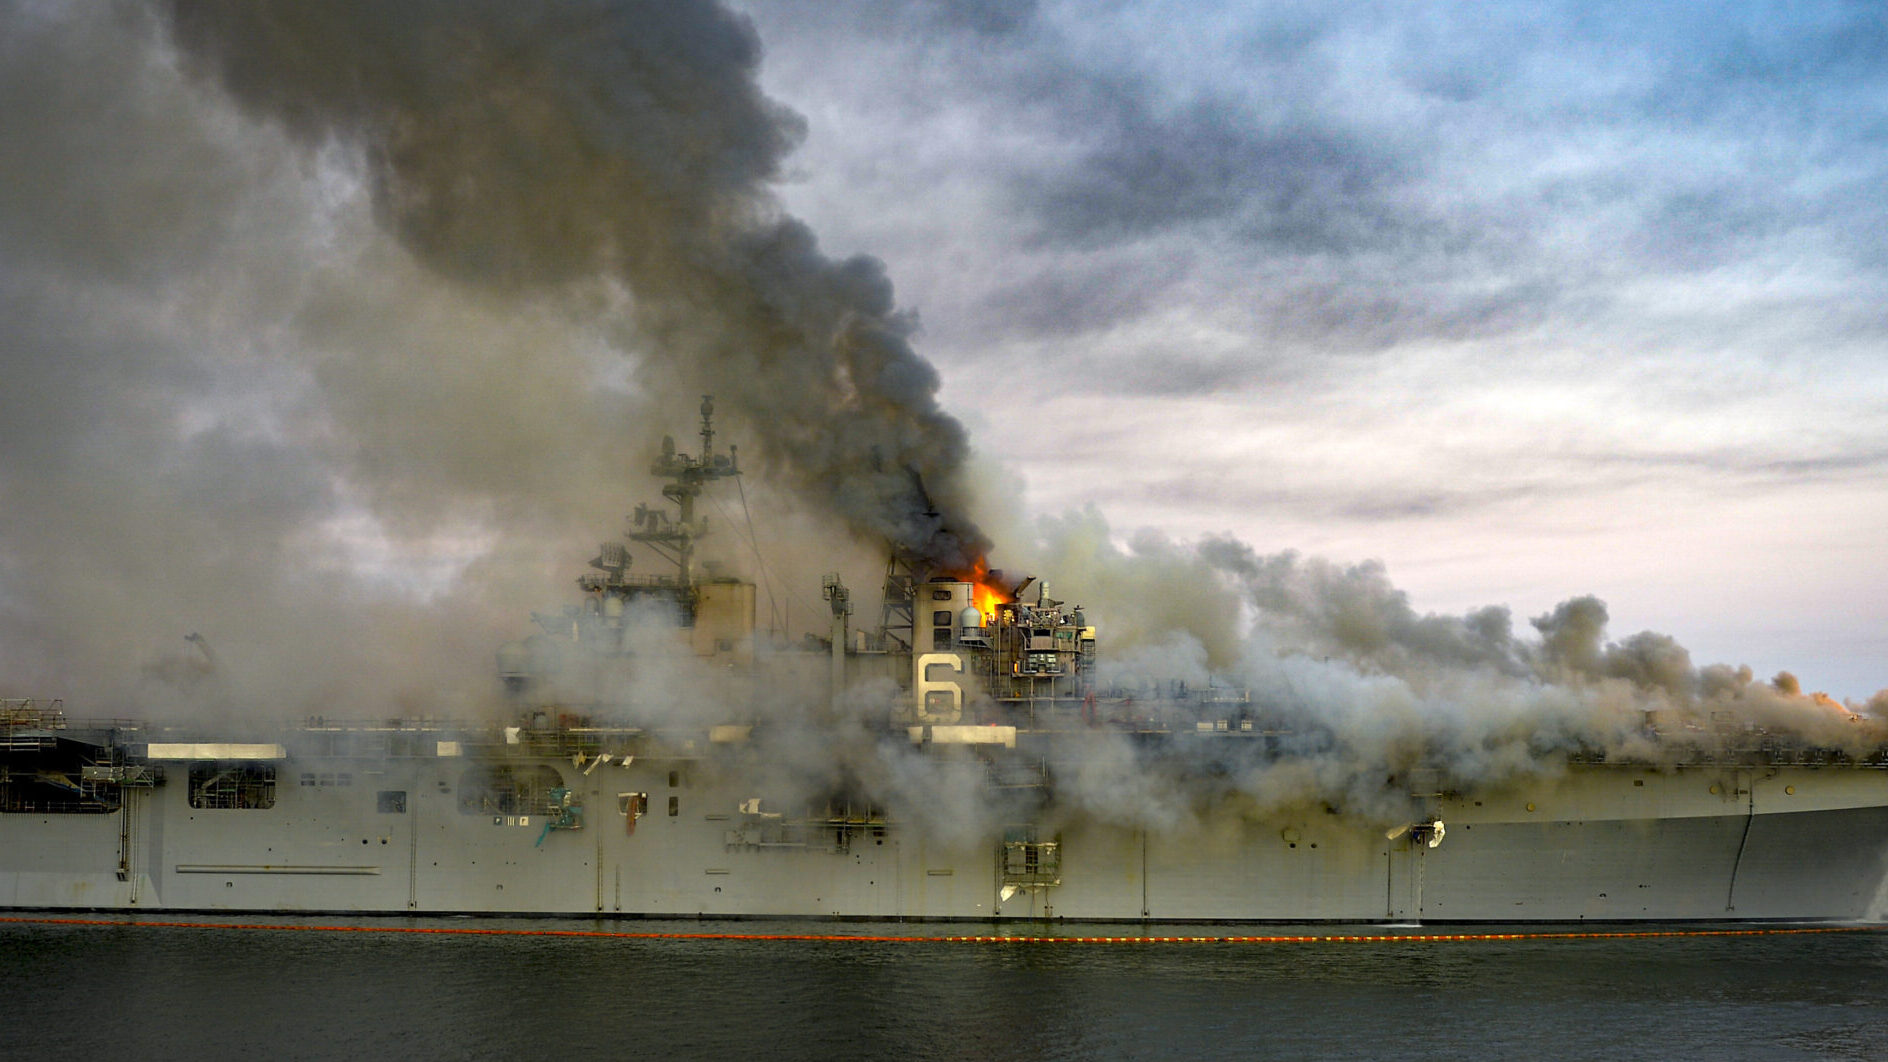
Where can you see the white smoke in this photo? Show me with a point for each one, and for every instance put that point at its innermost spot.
(1360, 693)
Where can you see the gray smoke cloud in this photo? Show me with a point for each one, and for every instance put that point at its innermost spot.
(1362, 693)
(334, 334)
(524, 146)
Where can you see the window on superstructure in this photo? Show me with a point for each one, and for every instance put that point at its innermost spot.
(391, 801)
(326, 779)
(244, 786)
(41, 775)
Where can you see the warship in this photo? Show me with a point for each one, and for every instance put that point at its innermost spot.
(657, 763)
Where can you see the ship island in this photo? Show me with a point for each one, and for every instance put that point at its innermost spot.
(663, 757)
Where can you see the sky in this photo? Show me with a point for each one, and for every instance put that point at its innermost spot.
(1524, 301)
(1520, 305)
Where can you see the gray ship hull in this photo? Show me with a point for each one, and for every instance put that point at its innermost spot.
(1600, 842)
(1029, 789)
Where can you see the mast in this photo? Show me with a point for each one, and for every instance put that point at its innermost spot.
(687, 476)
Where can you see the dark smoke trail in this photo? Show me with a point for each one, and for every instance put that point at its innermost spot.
(517, 146)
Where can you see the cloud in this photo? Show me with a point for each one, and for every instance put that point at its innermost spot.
(1362, 179)
(1296, 190)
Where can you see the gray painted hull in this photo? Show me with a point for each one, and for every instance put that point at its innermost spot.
(1609, 843)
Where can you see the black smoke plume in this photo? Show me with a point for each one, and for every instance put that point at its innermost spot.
(519, 146)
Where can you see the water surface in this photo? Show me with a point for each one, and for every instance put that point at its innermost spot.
(190, 992)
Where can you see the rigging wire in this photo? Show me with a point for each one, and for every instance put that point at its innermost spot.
(776, 616)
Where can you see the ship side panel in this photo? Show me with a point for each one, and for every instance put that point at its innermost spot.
(471, 857)
(1280, 868)
(692, 852)
(1813, 864)
(1610, 843)
(1276, 869)
(325, 842)
(712, 858)
(1635, 842)
(1609, 869)
(1102, 873)
(1597, 842)
(55, 860)
(946, 879)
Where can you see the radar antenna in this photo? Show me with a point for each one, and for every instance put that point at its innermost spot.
(686, 475)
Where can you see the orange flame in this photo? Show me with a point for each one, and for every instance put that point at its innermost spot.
(985, 594)
(987, 598)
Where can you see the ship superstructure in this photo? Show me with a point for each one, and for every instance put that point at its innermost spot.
(963, 760)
